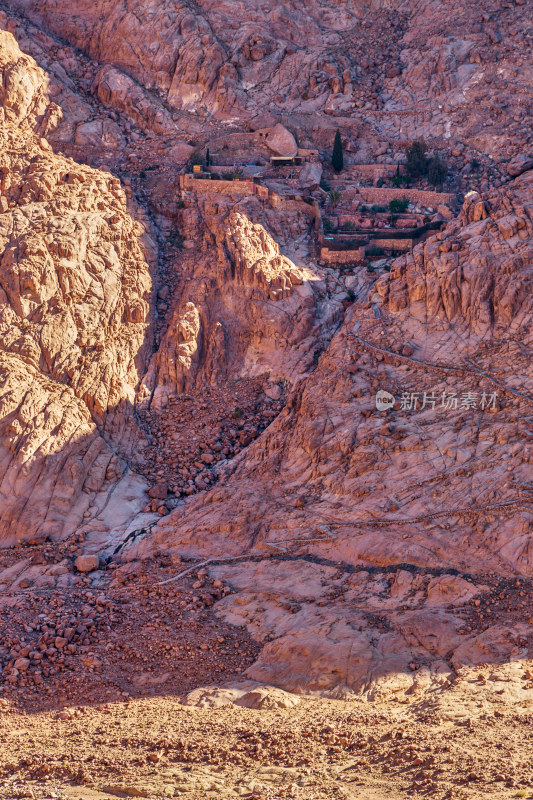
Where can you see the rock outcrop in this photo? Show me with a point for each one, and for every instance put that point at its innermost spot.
(243, 306)
(74, 294)
(476, 269)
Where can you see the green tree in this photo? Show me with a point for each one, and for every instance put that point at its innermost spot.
(399, 206)
(437, 170)
(337, 158)
(207, 158)
(417, 160)
(397, 180)
(334, 197)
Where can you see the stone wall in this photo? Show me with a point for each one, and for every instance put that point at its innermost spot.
(343, 256)
(401, 245)
(281, 203)
(189, 183)
(207, 186)
(372, 172)
(427, 199)
(403, 221)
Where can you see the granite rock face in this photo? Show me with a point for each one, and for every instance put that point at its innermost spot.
(74, 302)
(435, 65)
(220, 330)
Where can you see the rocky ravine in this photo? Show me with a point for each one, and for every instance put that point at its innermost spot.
(365, 555)
(391, 520)
(86, 397)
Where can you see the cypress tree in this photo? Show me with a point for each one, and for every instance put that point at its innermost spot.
(207, 158)
(337, 158)
(437, 170)
(417, 160)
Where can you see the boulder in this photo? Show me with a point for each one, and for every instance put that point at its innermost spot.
(310, 175)
(445, 212)
(87, 563)
(98, 133)
(281, 141)
(267, 697)
(211, 697)
(519, 164)
(158, 492)
(89, 133)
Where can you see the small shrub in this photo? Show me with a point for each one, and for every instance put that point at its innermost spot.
(324, 185)
(235, 174)
(175, 239)
(398, 206)
(401, 180)
(142, 174)
(377, 209)
(328, 227)
(238, 413)
(348, 226)
(334, 198)
(380, 182)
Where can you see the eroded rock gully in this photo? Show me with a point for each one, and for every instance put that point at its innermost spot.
(198, 497)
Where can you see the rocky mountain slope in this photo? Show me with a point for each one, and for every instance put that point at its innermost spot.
(404, 512)
(75, 293)
(408, 69)
(87, 396)
(199, 497)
